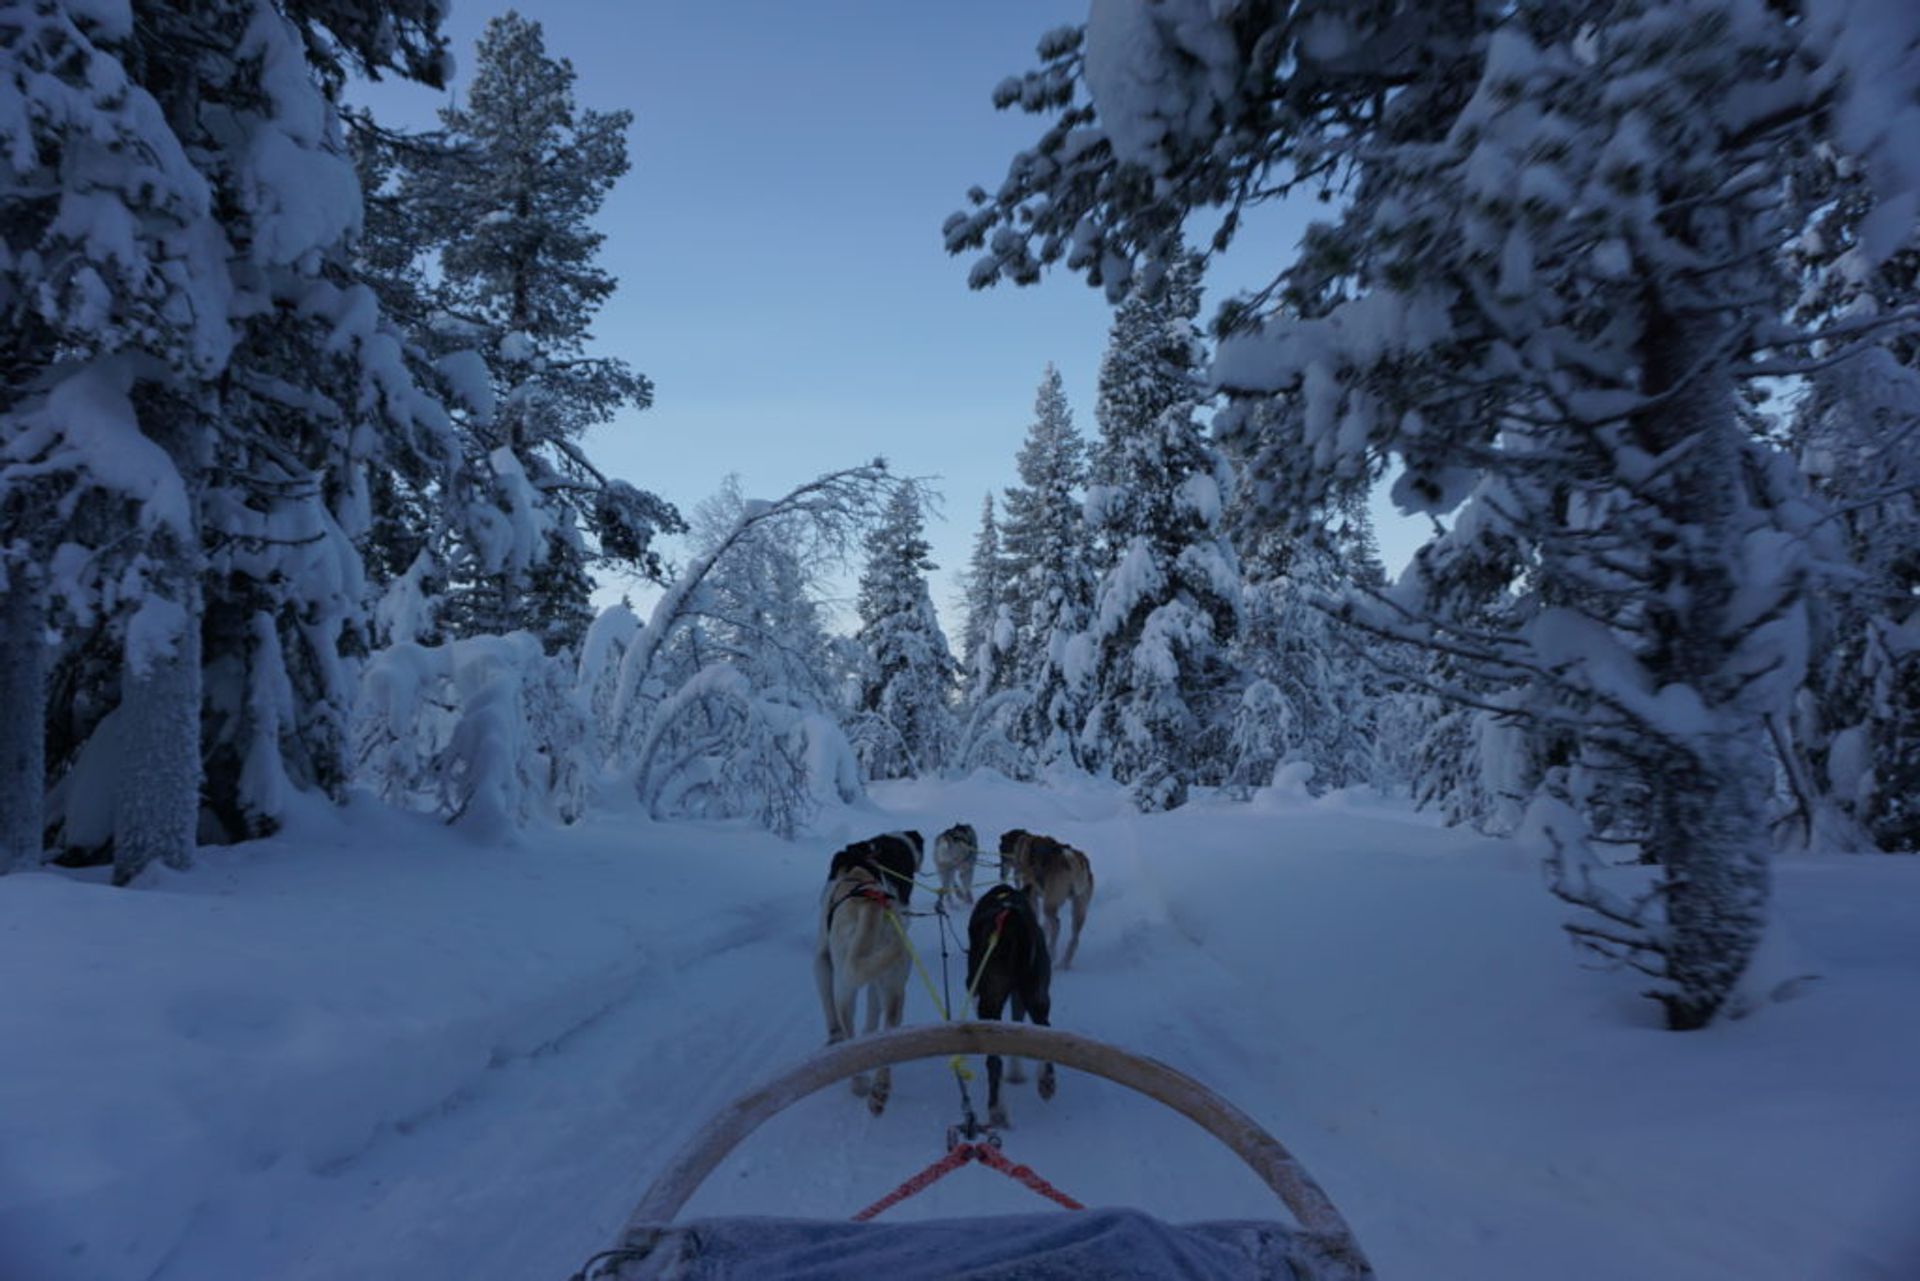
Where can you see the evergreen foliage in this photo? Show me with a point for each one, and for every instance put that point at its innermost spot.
(503, 199)
(984, 589)
(1166, 605)
(1049, 579)
(1553, 276)
(1312, 693)
(905, 727)
(197, 388)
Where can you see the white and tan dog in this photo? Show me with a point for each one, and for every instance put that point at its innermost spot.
(1053, 873)
(955, 852)
(860, 949)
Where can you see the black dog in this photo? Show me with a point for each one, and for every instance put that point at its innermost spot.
(894, 858)
(1007, 960)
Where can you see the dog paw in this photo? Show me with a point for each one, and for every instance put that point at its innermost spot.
(877, 1101)
(1047, 1083)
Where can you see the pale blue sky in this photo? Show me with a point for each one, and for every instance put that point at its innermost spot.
(778, 241)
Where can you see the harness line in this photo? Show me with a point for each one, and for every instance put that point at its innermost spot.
(961, 1072)
(958, 1155)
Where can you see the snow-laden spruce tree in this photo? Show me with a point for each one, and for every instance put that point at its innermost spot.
(197, 386)
(313, 396)
(1854, 758)
(983, 591)
(1309, 692)
(1049, 579)
(87, 501)
(1556, 267)
(991, 698)
(504, 196)
(904, 727)
(1164, 610)
(431, 496)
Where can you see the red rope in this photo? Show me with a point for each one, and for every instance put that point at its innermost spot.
(959, 1156)
(990, 1156)
(961, 1153)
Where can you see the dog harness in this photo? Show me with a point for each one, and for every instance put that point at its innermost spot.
(872, 893)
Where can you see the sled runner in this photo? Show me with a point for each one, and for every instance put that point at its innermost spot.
(1317, 1246)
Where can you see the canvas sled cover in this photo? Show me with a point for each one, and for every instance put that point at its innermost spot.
(1108, 1244)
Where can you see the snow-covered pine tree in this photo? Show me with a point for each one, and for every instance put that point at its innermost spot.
(195, 367)
(506, 199)
(314, 394)
(1310, 692)
(983, 588)
(1049, 580)
(418, 502)
(1854, 754)
(82, 491)
(1165, 606)
(991, 699)
(905, 724)
(1556, 267)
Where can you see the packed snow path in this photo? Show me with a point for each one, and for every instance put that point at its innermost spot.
(328, 1059)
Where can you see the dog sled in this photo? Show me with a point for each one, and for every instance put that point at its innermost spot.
(1316, 1246)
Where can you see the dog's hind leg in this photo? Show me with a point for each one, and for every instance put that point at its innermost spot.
(883, 1078)
(990, 1000)
(1040, 1011)
(1017, 1071)
(1079, 921)
(823, 982)
(846, 999)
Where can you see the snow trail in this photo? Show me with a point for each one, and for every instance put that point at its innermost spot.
(383, 1051)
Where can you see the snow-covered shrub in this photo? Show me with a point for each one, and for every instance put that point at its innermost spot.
(487, 732)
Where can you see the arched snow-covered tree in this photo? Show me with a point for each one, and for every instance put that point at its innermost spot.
(759, 607)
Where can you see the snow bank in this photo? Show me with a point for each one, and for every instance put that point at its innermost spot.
(277, 1009)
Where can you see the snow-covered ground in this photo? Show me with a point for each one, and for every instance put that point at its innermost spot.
(372, 1049)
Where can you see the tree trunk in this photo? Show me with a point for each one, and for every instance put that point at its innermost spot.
(1709, 825)
(23, 673)
(157, 805)
(1708, 783)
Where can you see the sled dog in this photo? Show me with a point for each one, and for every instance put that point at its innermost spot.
(860, 949)
(893, 858)
(1054, 873)
(1007, 961)
(955, 851)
